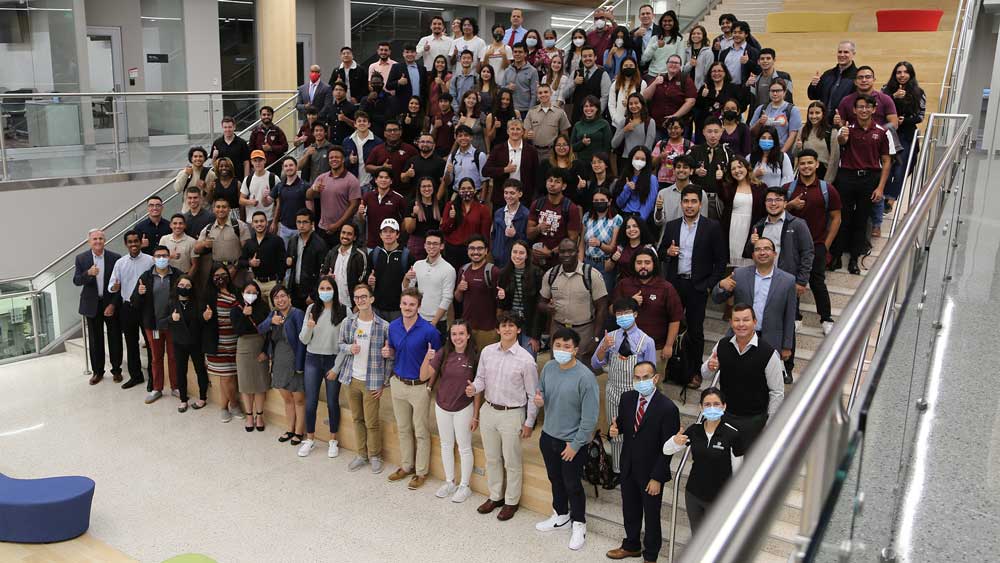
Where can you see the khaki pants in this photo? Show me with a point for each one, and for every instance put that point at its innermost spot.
(410, 405)
(364, 412)
(484, 338)
(265, 291)
(501, 433)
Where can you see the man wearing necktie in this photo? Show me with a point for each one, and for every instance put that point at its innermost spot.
(516, 32)
(618, 353)
(315, 93)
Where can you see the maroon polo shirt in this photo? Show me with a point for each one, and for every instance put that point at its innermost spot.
(661, 305)
(815, 211)
(397, 156)
(670, 96)
(865, 148)
(392, 205)
(479, 302)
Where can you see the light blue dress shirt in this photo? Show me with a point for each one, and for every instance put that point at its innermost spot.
(761, 287)
(686, 243)
(732, 63)
(127, 271)
(414, 73)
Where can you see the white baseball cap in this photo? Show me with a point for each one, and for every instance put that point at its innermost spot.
(391, 223)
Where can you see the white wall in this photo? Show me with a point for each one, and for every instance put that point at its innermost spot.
(125, 15)
(204, 63)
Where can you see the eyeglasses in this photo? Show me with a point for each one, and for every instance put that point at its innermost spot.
(154, 205)
(477, 248)
(773, 200)
(362, 297)
(778, 91)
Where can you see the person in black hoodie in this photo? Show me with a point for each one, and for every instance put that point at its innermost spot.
(185, 329)
(252, 369)
(353, 271)
(305, 275)
(151, 297)
(353, 75)
(517, 293)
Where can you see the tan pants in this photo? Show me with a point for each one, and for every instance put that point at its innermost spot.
(265, 291)
(501, 433)
(484, 338)
(411, 405)
(364, 412)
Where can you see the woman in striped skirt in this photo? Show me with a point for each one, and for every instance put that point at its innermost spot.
(618, 353)
(220, 340)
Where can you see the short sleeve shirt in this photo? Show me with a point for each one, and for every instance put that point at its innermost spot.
(377, 209)
(555, 223)
(479, 303)
(226, 246)
(573, 304)
(336, 196)
(670, 96)
(864, 148)
(815, 211)
(457, 372)
(661, 305)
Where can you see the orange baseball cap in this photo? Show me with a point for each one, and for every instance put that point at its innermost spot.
(257, 154)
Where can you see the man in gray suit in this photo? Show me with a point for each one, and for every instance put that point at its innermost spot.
(315, 93)
(794, 246)
(770, 291)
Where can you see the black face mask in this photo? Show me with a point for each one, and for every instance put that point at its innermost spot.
(498, 36)
(730, 115)
(628, 72)
(600, 206)
(184, 291)
(221, 281)
(377, 87)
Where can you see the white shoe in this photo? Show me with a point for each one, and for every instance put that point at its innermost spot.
(462, 494)
(334, 449)
(555, 522)
(446, 490)
(798, 326)
(579, 536)
(827, 327)
(306, 447)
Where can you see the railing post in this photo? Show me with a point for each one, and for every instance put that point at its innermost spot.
(86, 344)
(34, 323)
(114, 131)
(3, 147)
(211, 117)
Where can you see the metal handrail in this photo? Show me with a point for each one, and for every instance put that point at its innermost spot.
(953, 49)
(143, 201)
(567, 39)
(741, 515)
(28, 95)
(709, 6)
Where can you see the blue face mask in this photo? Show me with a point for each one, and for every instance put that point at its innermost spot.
(625, 321)
(712, 413)
(766, 144)
(562, 356)
(644, 387)
(326, 295)
(161, 262)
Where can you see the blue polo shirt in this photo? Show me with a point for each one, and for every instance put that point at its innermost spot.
(411, 346)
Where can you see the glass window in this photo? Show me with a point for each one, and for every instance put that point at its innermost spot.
(164, 65)
(373, 22)
(238, 50)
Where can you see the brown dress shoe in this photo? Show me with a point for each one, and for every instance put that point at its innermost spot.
(116, 377)
(695, 382)
(621, 553)
(416, 482)
(489, 506)
(507, 512)
(96, 378)
(400, 474)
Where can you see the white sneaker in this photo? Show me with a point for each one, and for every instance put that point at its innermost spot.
(446, 490)
(555, 522)
(376, 465)
(462, 494)
(798, 326)
(579, 536)
(153, 396)
(334, 449)
(827, 327)
(175, 393)
(306, 447)
(357, 463)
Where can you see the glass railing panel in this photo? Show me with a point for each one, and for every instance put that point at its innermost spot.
(17, 334)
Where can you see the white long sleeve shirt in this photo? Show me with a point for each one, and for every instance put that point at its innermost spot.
(437, 283)
(773, 373)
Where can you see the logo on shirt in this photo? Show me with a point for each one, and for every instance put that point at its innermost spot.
(718, 446)
(652, 297)
(781, 120)
(550, 218)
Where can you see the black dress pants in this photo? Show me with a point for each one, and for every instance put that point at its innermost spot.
(95, 339)
(855, 187)
(131, 329)
(566, 478)
(693, 343)
(636, 506)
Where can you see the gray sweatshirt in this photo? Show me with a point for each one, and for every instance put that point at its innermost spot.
(323, 338)
(572, 403)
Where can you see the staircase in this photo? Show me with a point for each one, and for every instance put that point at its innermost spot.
(754, 12)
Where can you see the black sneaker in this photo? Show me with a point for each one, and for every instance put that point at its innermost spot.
(132, 382)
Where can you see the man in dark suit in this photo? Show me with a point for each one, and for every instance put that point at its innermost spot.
(771, 292)
(513, 159)
(742, 55)
(646, 419)
(315, 93)
(92, 273)
(694, 255)
(408, 78)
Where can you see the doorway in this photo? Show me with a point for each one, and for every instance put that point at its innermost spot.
(107, 74)
(303, 55)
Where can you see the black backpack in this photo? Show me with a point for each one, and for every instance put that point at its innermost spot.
(597, 467)
(587, 269)
(675, 371)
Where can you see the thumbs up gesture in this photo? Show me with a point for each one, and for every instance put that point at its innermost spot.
(207, 315)
(92, 272)
(538, 400)
(142, 288)
(613, 431)
(355, 348)
(700, 171)
(255, 261)
(745, 58)
(728, 283)
(470, 389)
(371, 279)
(248, 310)
(277, 319)
(362, 209)
(815, 79)
(713, 362)
(463, 285)
(501, 294)
(509, 232)
(451, 212)
(798, 203)
(429, 356)
(311, 323)
(411, 274)
(673, 249)
(752, 80)
(608, 341)
(175, 316)
(680, 438)
(837, 120)
(510, 168)
(638, 298)
(386, 351)
(718, 172)
(659, 203)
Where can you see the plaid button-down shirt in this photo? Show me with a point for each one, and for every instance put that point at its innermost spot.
(379, 368)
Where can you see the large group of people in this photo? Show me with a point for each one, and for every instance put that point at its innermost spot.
(441, 221)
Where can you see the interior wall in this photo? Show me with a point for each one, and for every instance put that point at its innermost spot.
(204, 68)
(125, 15)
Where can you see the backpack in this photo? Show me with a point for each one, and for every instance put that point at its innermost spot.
(232, 223)
(272, 180)
(587, 270)
(824, 188)
(487, 273)
(597, 464)
(674, 370)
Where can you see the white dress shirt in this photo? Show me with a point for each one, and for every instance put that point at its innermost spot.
(773, 372)
(99, 262)
(127, 270)
(515, 157)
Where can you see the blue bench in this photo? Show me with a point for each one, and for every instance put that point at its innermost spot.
(44, 510)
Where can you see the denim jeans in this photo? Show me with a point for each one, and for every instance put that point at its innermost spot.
(317, 365)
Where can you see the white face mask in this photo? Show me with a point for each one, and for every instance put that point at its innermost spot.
(549, 43)
(531, 42)
(619, 42)
(579, 41)
(638, 164)
(249, 298)
(600, 23)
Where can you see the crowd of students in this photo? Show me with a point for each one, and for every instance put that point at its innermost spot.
(440, 221)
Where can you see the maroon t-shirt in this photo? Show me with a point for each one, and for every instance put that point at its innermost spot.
(457, 372)
(479, 302)
(660, 306)
(670, 96)
(816, 209)
(555, 223)
(397, 157)
(864, 148)
(392, 205)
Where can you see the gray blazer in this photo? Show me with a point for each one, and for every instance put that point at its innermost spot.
(797, 249)
(778, 328)
(322, 97)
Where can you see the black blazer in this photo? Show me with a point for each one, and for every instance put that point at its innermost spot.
(748, 67)
(642, 451)
(88, 295)
(186, 331)
(710, 256)
(144, 303)
(356, 79)
(533, 323)
(405, 92)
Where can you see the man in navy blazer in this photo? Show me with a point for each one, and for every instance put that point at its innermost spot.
(400, 79)
(501, 167)
(315, 93)
(776, 287)
(97, 305)
(694, 255)
(646, 420)
(743, 54)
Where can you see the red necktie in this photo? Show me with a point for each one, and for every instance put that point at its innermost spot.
(640, 413)
(513, 34)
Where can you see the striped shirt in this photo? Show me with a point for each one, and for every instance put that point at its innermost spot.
(509, 378)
